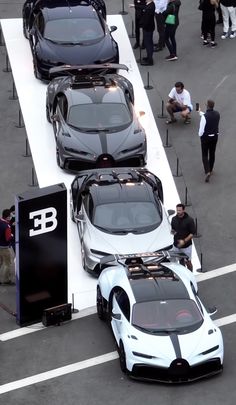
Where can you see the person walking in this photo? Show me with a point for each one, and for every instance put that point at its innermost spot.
(160, 7)
(183, 229)
(139, 6)
(6, 252)
(148, 25)
(170, 28)
(209, 131)
(228, 13)
(208, 21)
(179, 101)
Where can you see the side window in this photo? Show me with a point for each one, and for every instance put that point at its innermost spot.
(123, 302)
(40, 23)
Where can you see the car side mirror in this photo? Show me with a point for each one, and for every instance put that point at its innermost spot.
(113, 28)
(79, 217)
(55, 118)
(212, 311)
(116, 316)
(171, 212)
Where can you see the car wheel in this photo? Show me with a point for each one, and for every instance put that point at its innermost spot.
(58, 159)
(83, 255)
(36, 73)
(122, 357)
(48, 114)
(72, 213)
(25, 31)
(100, 305)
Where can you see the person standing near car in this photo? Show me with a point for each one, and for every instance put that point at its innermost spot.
(170, 28)
(6, 252)
(208, 132)
(183, 229)
(160, 7)
(148, 25)
(139, 6)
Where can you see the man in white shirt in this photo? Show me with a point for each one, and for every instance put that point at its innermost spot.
(179, 101)
(160, 6)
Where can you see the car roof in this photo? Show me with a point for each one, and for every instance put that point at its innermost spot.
(118, 192)
(95, 94)
(65, 9)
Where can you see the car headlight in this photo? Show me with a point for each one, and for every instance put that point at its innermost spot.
(99, 253)
(145, 356)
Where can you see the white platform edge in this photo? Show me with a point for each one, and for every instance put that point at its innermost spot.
(31, 93)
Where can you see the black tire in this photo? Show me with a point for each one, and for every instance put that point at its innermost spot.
(36, 74)
(100, 305)
(47, 114)
(122, 357)
(58, 159)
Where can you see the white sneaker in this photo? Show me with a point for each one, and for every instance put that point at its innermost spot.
(233, 34)
(224, 35)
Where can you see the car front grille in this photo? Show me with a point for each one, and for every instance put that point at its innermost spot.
(178, 372)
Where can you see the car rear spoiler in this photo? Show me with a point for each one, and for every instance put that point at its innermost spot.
(81, 68)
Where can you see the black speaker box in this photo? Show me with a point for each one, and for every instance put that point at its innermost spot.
(56, 315)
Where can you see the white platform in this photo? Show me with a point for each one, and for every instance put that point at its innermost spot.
(32, 97)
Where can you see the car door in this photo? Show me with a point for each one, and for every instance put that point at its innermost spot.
(120, 313)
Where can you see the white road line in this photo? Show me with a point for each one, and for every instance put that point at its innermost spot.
(39, 326)
(92, 310)
(216, 273)
(71, 368)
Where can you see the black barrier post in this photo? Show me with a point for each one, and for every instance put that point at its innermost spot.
(167, 144)
(27, 150)
(14, 93)
(132, 31)
(162, 115)
(33, 180)
(1, 38)
(20, 120)
(196, 235)
(186, 203)
(177, 174)
(123, 12)
(7, 68)
(74, 310)
(148, 86)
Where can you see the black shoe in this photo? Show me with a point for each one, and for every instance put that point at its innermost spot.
(207, 178)
(219, 21)
(136, 45)
(142, 46)
(147, 62)
(145, 59)
(157, 49)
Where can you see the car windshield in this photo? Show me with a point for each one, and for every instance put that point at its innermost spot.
(73, 30)
(170, 316)
(124, 217)
(99, 116)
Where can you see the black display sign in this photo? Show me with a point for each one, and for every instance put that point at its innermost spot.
(41, 251)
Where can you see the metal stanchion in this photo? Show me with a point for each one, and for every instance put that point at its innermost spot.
(186, 203)
(167, 144)
(196, 235)
(14, 95)
(162, 115)
(20, 120)
(132, 31)
(74, 310)
(27, 149)
(123, 12)
(177, 174)
(33, 178)
(7, 68)
(148, 86)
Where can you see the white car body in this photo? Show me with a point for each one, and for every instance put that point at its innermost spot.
(170, 356)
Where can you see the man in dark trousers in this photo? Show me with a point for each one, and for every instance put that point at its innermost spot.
(183, 229)
(148, 25)
(208, 131)
(139, 6)
(6, 254)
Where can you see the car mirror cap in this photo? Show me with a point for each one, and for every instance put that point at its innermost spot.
(116, 316)
(212, 311)
(171, 212)
(113, 28)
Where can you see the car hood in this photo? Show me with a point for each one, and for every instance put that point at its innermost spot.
(95, 52)
(155, 240)
(111, 143)
(169, 347)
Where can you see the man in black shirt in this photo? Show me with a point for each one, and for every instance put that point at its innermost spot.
(208, 131)
(148, 25)
(183, 229)
(139, 6)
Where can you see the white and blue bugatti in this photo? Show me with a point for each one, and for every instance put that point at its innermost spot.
(162, 330)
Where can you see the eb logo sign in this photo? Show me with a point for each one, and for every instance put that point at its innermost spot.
(45, 220)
